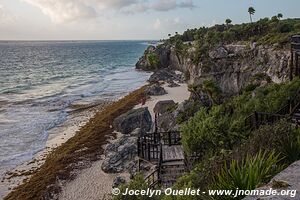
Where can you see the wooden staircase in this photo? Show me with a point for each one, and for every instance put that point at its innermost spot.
(166, 152)
(170, 172)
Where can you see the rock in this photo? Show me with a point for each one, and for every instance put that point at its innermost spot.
(173, 84)
(118, 181)
(288, 179)
(135, 118)
(218, 53)
(155, 90)
(144, 62)
(164, 75)
(163, 106)
(119, 154)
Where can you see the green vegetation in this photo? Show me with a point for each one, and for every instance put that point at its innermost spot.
(137, 183)
(248, 173)
(270, 149)
(208, 87)
(153, 60)
(228, 21)
(223, 126)
(264, 31)
(251, 12)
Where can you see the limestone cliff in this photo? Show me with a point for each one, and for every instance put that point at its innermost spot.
(231, 66)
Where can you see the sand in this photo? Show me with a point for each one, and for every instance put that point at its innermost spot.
(177, 94)
(94, 184)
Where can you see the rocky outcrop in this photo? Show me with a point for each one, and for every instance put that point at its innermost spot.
(232, 66)
(287, 180)
(136, 118)
(163, 106)
(120, 153)
(160, 53)
(166, 75)
(155, 90)
(170, 117)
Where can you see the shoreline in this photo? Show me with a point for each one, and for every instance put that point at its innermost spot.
(78, 116)
(78, 153)
(73, 180)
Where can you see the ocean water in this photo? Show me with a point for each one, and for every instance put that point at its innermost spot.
(39, 80)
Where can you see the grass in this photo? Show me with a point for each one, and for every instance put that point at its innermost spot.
(86, 146)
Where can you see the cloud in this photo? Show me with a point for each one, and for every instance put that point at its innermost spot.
(168, 24)
(158, 5)
(64, 10)
(157, 24)
(5, 16)
(61, 11)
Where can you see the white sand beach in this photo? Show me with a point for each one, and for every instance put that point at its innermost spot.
(94, 184)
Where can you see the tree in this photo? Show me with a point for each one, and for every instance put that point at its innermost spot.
(169, 35)
(228, 21)
(176, 33)
(251, 12)
(279, 16)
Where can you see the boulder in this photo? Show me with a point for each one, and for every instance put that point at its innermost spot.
(164, 75)
(288, 179)
(163, 106)
(143, 62)
(119, 180)
(155, 90)
(119, 154)
(135, 118)
(173, 84)
(218, 53)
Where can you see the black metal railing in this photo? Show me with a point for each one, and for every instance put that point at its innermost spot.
(148, 150)
(256, 119)
(170, 138)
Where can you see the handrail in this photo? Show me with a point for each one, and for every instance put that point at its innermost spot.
(256, 119)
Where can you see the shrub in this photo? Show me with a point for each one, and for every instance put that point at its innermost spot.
(280, 137)
(137, 183)
(153, 60)
(248, 173)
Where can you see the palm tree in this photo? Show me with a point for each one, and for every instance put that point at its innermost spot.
(251, 12)
(228, 21)
(212, 90)
(279, 16)
(194, 90)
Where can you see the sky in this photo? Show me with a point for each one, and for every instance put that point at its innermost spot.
(126, 19)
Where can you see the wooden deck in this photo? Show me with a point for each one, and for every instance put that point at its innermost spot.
(172, 153)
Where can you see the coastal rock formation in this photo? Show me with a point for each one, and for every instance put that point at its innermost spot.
(232, 67)
(163, 106)
(169, 117)
(119, 154)
(289, 179)
(155, 90)
(135, 118)
(218, 53)
(166, 75)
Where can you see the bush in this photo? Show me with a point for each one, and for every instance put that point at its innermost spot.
(248, 173)
(206, 132)
(137, 183)
(280, 137)
(153, 60)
